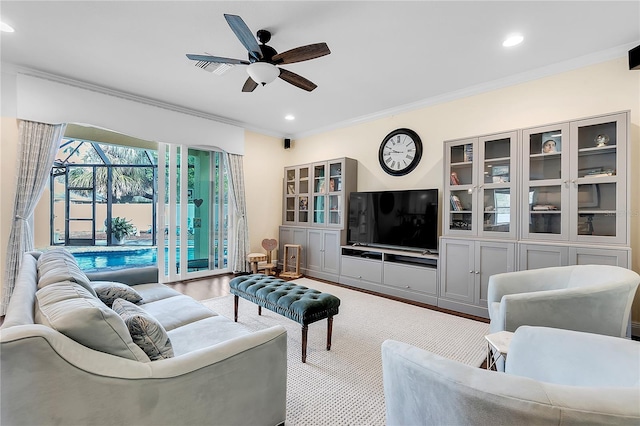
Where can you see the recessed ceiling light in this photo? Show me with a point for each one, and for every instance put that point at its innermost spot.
(6, 28)
(513, 40)
(289, 117)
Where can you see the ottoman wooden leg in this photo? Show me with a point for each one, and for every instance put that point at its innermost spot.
(329, 330)
(259, 310)
(235, 307)
(305, 329)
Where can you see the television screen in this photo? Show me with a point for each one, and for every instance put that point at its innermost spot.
(395, 219)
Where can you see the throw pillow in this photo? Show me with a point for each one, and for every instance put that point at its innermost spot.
(70, 309)
(108, 291)
(145, 330)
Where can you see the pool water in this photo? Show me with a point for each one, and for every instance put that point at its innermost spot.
(92, 261)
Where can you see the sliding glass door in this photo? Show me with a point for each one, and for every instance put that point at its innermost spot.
(194, 213)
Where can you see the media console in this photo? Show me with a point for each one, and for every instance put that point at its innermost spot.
(406, 274)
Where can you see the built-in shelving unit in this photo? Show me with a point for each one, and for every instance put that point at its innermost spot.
(314, 213)
(550, 195)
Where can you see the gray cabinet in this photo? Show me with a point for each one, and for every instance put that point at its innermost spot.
(323, 254)
(407, 275)
(534, 256)
(466, 266)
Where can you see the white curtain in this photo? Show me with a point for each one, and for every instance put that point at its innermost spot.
(37, 146)
(238, 261)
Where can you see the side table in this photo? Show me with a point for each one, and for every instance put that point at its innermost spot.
(497, 344)
(253, 259)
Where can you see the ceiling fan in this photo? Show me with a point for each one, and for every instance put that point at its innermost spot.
(263, 64)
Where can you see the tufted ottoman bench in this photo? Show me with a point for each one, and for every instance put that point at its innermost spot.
(301, 304)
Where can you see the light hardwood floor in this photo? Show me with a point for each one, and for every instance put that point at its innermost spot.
(206, 288)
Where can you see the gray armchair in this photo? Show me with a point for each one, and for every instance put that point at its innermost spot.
(553, 377)
(589, 298)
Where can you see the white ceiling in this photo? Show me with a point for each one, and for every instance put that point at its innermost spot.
(387, 56)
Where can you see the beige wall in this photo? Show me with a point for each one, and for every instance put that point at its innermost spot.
(263, 170)
(8, 155)
(594, 90)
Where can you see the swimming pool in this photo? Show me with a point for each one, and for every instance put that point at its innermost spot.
(91, 261)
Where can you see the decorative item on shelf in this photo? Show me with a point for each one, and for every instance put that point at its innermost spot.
(304, 203)
(551, 142)
(468, 152)
(601, 140)
(332, 185)
(456, 205)
(500, 174)
(454, 179)
(596, 172)
(544, 207)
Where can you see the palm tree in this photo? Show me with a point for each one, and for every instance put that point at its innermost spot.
(127, 182)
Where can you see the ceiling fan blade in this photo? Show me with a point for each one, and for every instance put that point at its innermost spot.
(302, 53)
(249, 85)
(244, 34)
(217, 59)
(297, 80)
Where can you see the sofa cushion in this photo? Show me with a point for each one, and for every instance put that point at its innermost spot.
(152, 292)
(55, 253)
(62, 269)
(204, 333)
(177, 311)
(108, 291)
(70, 309)
(145, 330)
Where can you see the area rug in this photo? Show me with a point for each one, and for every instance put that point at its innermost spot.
(343, 386)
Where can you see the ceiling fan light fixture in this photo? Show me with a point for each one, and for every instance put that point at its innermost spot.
(263, 72)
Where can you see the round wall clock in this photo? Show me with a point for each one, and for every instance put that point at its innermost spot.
(400, 152)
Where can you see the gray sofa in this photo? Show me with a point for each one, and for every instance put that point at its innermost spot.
(66, 358)
(552, 377)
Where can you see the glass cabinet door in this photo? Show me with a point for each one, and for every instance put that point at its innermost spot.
(461, 187)
(319, 193)
(304, 186)
(335, 193)
(546, 182)
(597, 192)
(290, 192)
(497, 176)
(296, 195)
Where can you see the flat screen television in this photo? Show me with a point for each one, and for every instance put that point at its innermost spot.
(405, 220)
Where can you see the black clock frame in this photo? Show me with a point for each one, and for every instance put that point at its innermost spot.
(414, 163)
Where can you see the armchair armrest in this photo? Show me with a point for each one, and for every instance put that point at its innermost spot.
(574, 358)
(571, 309)
(423, 388)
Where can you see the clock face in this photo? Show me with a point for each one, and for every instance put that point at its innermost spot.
(400, 152)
